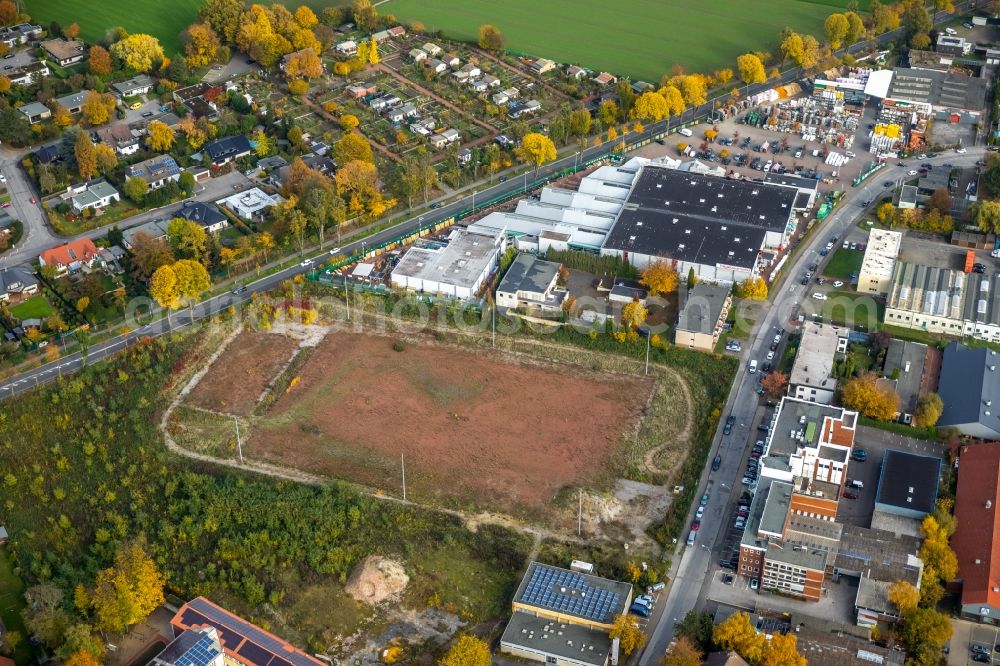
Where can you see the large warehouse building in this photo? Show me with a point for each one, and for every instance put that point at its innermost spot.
(457, 268)
(716, 226)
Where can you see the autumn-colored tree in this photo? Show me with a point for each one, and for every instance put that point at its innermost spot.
(536, 149)
(753, 288)
(674, 99)
(781, 651)
(633, 315)
(305, 17)
(138, 52)
(682, 652)
(751, 69)
(81, 658)
(80, 637)
(650, 106)
(928, 410)
(348, 122)
(82, 304)
(86, 156)
(579, 123)
(693, 88)
(723, 76)
(192, 279)
(147, 254)
(659, 277)
(303, 64)
(467, 651)
(99, 60)
(926, 629)
(161, 136)
(97, 108)
(737, 633)
(855, 27)
(871, 396)
(626, 629)
(884, 17)
(904, 596)
(607, 112)
(836, 27)
(127, 592)
(187, 238)
(163, 287)
(8, 12)
(107, 160)
(490, 38)
(352, 147)
(775, 384)
(136, 189)
(193, 133)
(936, 551)
(223, 16)
(201, 44)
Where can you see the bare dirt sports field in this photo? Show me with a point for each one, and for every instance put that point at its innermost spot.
(241, 374)
(472, 427)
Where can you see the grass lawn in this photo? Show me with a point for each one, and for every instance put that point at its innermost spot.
(843, 263)
(850, 309)
(35, 307)
(640, 38)
(114, 213)
(164, 20)
(11, 605)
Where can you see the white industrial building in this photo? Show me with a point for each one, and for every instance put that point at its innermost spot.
(812, 373)
(875, 276)
(457, 268)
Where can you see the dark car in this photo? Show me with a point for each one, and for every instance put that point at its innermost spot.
(717, 463)
(727, 564)
(850, 495)
(147, 114)
(859, 455)
(981, 658)
(886, 183)
(436, 205)
(503, 179)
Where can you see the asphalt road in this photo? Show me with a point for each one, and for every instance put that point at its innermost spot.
(697, 563)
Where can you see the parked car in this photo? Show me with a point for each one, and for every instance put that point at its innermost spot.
(700, 512)
(838, 283)
(847, 494)
(754, 583)
(704, 499)
(717, 463)
(306, 263)
(819, 296)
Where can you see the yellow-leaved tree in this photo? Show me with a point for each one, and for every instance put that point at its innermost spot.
(871, 396)
(659, 277)
(138, 52)
(536, 149)
(650, 106)
(467, 651)
(781, 651)
(904, 596)
(626, 629)
(737, 633)
(754, 289)
(161, 136)
(127, 592)
(633, 315)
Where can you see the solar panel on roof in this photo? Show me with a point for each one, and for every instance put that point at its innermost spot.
(254, 653)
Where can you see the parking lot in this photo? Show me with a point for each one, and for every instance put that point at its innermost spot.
(971, 639)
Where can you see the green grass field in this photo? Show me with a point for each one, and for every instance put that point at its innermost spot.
(640, 38)
(843, 263)
(35, 307)
(164, 19)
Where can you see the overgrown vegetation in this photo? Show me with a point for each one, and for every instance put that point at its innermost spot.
(594, 263)
(92, 474)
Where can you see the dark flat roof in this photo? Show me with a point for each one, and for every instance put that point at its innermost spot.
(969, 378)
(548, 637)
(528, 273)
(908, 480)
(699, 219)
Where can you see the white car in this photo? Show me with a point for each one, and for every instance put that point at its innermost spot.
(770, 356)
(912, 172)
(838, 283)
(334, 251)
(3, 178)
(700, 512)
(306, 263)
(961, 151)
(819, 296)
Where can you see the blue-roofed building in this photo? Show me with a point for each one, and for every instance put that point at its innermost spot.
(242, 642)
(157, 171)
(194, 647)
(227, 149)
(563, 617)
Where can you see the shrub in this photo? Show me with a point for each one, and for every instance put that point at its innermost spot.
(398, 346)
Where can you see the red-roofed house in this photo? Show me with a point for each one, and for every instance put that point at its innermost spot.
(70, 256)
(243, 642)
(976, 541)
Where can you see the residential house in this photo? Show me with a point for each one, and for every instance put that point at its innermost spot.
(542, 65)
(70, 256)
(64, 52)
(397, 31)
(22, 33)
(530, 283)
(243, 643)
(725, 659)
(451, 60)
(467, 71)
(157, 171)
(500, 98)
(528, 108)
(48, 153)
(93, 196)
(605, 79)
(451, 135)
(119, 138)
(347, 48)
(904, 367)
(491, 81)
(512, 92)
(208, 217)
(700, 320)
(28, 74)
(74, 102)
(17, 283)
(478, 85)
(435, 65)
(968, 385)
(35, 112)
(153, 230)
(438, 141)
(423, 127)
(418, 55)
(249, 204)
(432, 49)
(227, 149)
(360, 90)
(464, 156)
(137, 85)
(576, 72)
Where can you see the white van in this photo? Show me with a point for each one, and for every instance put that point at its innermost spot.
(857, 484)
(753, 366)
(684, 131)
(692, 535)
(951, 31)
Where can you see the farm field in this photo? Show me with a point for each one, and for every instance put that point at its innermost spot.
(164, 20)
(640, 38)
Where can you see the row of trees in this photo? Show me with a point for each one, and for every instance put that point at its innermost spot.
(697, 635)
